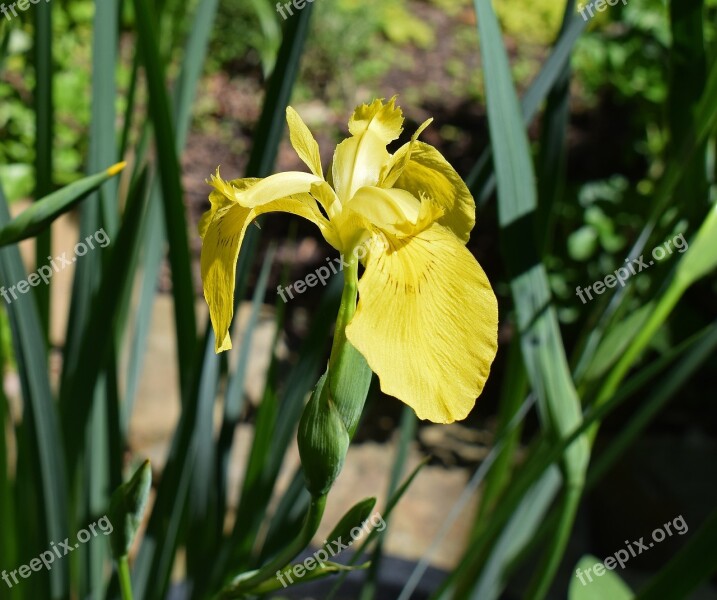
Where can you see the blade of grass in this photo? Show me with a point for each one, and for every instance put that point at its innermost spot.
(234, 396)
(287, 519)
(153, 239)
(205, 533)
(552, 154)
(44, 136)
(8, 533)
(702, 126)
(407, 433)
(514, 391)
(99, 333)
(38, 217)
(154, 560)
(543, 350)
(516, 534)
(542, 456)
(183, 98)
(481, 179)
(374, 533)
(651, 407)
(4, 44)
(696, 350)
(468, 492)
(172, 195)
(686, 82)
(271, 124)
(43, 459)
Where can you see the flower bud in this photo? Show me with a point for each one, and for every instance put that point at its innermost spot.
(332, 414)
(127, 507)
(323, 440)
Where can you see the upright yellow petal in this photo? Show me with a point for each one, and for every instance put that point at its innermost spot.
(394, 168)
(427, 322)
(359, 160)
(303, 142)
(384, 120)
(428, 172)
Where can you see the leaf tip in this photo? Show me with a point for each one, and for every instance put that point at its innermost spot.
(116, 168)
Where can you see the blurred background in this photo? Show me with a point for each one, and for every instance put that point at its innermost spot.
(622, 141)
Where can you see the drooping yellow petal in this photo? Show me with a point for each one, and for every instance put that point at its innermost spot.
(220, 199)
(427, 322)
(428, 172)
(303, 142)
(359, 160)
(223, 236)
(281, 185)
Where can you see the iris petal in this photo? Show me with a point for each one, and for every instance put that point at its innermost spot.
(303, 142)
(224, 227)
(428, 172)
(359, 160)
(427, 322)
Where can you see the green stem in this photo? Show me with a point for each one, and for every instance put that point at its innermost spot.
(545, 573)
(241, 587)
(637, 346)
(346, 310)
(125, 580)
(568, 509)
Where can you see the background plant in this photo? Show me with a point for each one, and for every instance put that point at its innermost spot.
(85, 85)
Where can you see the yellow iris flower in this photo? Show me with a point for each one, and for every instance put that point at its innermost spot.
(427, 318)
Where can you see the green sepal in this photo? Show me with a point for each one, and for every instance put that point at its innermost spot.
(329, 568)
(323, 440)
(355, 517)
(349, 373)
(701, 256)
(350, 380)
(127, 507)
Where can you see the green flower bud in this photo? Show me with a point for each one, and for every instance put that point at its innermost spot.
(332, 415)
(127, 507)
(323, 440)
(349, 373)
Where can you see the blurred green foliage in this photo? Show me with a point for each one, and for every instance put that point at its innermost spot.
(72, 28)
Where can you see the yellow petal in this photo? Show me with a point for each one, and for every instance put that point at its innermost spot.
(385, 120)
(429, 173)
(272, 188)
(220, 199)
(398, 162)
(359, 160)
(385, 207)
(303, 142)
(223, 235)
(427, 322)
